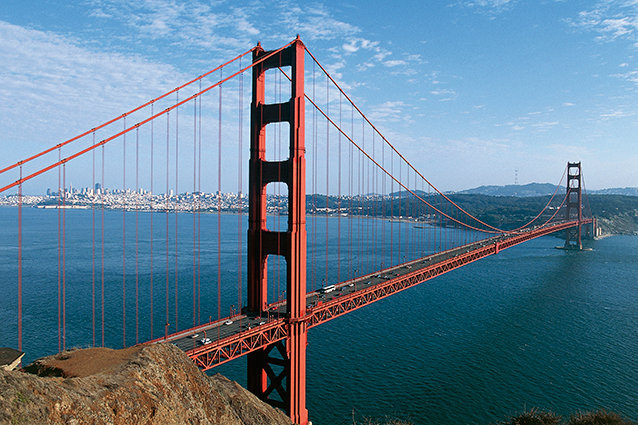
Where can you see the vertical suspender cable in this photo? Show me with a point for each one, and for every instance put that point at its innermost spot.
(400, 204)
(176, 200)
(20, 263)
(59, 252)
(339, 198)
(152, 335)
(313, 277)
(421, 234)
(428, 235)
(195, 208)
(327, 169)
(102, 189)
(383, 258)
(166, 210)
(368, 210)
(199, 189)
(240, 216)
(64, 256)
(360, 202)
(351, 195)
(219, 203)
(314, 186)
(124, 195)
(360, 186)
(391, 211)
(374, 208)
(93, 248)
(416, 214)
(137, 207)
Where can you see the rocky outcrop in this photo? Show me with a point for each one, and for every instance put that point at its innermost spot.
(155, 384)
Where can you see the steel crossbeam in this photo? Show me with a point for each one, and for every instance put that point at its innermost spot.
(237, 345)
(242, 343)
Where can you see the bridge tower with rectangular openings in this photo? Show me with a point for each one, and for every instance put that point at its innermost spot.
(277, 373)
(573, 204)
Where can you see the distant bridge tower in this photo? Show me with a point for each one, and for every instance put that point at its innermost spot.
(574, 206)
(277, 373)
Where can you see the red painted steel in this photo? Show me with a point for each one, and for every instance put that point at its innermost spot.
(290, 244)
(342, 305)
(573, 205)
(253, 340)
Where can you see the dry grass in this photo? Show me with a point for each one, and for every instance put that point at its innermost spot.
(534, 417)
(600, 417)
(538, 417)
(385, 421)
(82, 363)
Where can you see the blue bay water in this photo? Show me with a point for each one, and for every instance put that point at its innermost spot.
(530, 327)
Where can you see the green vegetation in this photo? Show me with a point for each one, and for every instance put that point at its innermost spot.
(616, 214)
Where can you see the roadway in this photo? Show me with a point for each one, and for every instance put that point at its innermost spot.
(212, 333)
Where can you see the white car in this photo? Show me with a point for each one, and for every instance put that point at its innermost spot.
(205, 341)
(194, 336)
(228, 322)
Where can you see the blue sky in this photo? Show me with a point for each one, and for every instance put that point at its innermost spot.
(470, 90)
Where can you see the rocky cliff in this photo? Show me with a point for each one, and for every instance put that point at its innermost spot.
(154, 384)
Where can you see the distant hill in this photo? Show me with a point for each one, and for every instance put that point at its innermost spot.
(522, 190)
(540, 189)
(627, 191)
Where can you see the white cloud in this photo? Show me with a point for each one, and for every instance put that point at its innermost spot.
(78, 87)
(489, 7)
(355, 44)
(390, 111)
(393, 63)
(610, 19)
(545, 125)
(631, 76)
(350, 47)
(616, 114)
(445, 95)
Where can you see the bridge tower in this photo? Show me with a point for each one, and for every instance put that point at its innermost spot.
(277, 373)
(574, 204)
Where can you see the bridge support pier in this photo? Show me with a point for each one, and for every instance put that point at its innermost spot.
(287, 387)
(573, 211)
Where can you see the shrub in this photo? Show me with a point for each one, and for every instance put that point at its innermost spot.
(534, 417)
(600, 417)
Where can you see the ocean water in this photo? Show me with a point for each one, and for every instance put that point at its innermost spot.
(531, 327)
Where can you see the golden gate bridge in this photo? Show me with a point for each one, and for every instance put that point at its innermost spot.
(378, 225)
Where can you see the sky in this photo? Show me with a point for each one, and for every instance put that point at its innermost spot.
(474, 92)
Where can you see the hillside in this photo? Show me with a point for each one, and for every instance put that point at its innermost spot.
(523, 190)
(540, 189)
(154, 384)
(616, 214)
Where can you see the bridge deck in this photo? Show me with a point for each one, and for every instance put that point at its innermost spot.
(236, 336)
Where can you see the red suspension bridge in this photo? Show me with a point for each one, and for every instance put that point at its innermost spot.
(153, 255)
